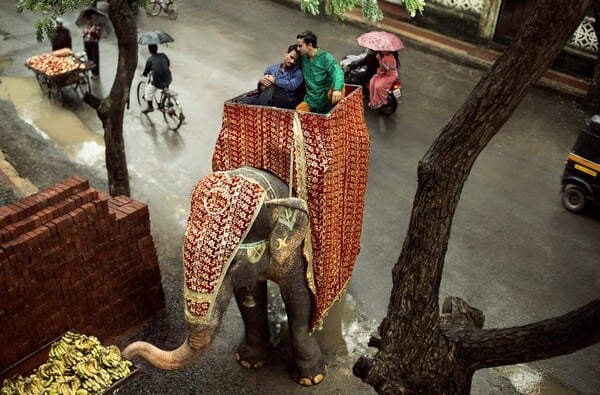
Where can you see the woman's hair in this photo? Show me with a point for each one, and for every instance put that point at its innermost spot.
(308, 37)
(153, 48)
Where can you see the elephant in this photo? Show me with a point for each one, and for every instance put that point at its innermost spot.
(272, 249)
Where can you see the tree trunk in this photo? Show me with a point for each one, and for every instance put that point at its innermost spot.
(591, 104)
(415, 355)
(111, 109)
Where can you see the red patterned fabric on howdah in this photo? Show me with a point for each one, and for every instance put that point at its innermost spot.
(335, 149)
(223, 209)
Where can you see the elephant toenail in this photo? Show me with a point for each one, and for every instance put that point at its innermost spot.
(305, 381)
(237, 357)
(318, 378)
(246, 364)
(258, 365)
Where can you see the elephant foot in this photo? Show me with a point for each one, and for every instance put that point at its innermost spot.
(251, 357)
(308, 377)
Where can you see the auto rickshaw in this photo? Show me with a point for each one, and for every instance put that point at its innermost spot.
(580, 180)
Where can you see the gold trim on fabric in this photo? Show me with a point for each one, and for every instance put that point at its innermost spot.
(301, 190)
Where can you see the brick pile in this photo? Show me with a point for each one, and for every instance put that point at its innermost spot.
(72, 257)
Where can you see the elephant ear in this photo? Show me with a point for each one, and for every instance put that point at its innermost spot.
(287, 236)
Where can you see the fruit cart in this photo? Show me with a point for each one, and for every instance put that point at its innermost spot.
(58, 69)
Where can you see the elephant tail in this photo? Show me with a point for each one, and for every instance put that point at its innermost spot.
(179, 358)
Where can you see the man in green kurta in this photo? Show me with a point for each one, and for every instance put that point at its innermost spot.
(322, 75)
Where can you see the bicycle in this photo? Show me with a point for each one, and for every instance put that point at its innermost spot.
(167, 103)
(155, 7)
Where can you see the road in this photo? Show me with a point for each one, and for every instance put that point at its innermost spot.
(514, 251)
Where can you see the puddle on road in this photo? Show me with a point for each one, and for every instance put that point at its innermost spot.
(529, 381)
(62, 126)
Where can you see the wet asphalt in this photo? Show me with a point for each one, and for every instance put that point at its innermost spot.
(514, 252)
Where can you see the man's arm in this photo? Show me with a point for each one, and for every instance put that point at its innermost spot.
(292, 81)
(147, 68)
(336, 73)
(337, 78)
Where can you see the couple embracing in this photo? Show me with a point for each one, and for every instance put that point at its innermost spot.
(309, 79)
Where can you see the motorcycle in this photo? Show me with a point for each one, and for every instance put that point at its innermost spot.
(358, 70)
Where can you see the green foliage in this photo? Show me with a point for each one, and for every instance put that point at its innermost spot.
(370, 8)
(49, 9)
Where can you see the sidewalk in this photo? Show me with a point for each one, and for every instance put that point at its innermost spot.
(466, 53)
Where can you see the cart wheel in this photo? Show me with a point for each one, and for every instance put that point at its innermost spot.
(172, 10)
(573, 198)
(84, 84)
(55, 93)
(43, 81)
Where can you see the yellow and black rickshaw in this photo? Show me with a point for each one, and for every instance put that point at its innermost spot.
(581, 178)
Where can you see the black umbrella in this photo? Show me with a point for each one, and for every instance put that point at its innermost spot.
(154, 37)
(98, 18)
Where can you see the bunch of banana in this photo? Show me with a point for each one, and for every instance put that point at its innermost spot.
(23, 386)
(114, 364)
(77, 365)
(64, 386)
(72, 357)
(98, 382)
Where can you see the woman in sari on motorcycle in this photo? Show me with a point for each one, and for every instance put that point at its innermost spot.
(387, 72)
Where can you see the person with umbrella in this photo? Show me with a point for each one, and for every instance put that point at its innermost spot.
(387, 72)
(92, 33)
(159, 65)
(386, 46)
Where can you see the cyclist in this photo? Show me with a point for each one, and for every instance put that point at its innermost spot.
(159, 65)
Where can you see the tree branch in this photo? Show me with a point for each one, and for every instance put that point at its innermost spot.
(544, 339)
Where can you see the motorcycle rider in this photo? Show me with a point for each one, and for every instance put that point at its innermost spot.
(387, 72)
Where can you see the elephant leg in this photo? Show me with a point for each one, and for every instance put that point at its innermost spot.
(253, 351)
(308, 367)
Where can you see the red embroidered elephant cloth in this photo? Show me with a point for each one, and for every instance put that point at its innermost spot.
(334, 149)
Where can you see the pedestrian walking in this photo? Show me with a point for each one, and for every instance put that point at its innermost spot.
(92, 33)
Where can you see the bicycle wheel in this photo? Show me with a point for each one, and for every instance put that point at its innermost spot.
(172, 10)
(152, 8)
(141, 89)
(172, 112)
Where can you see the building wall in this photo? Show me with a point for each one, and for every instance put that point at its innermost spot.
(72, 257)
(465, 20)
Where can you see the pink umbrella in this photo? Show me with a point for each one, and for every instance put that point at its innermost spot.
(380, 41)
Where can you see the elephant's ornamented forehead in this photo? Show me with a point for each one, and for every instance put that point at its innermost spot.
(223, 209)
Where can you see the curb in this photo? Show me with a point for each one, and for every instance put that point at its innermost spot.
(8, 175)
(469, 54)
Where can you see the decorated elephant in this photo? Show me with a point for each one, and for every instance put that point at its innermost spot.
(243, 229)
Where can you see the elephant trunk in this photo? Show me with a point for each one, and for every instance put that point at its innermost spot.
(192, 349)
